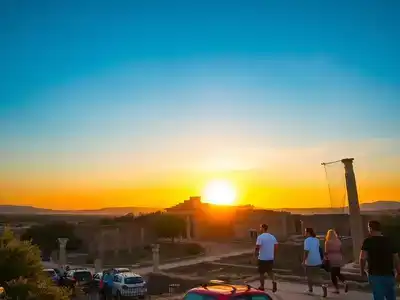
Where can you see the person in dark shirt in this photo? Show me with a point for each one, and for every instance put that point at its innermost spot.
(378, 251)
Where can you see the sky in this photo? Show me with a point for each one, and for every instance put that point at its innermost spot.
(142, 103)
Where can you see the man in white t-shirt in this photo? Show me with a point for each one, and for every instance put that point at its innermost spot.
(266, 246)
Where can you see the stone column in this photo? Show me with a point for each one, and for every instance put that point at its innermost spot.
(63, 253)
(302, 227)
(98, 265)
(117, 241)
(357, 232)
(100, 246)
(188, 228)
(284, 229)
(142, 233)
(156, 257)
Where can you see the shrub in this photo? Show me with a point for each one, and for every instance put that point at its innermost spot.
(21, 272)
(194, 249)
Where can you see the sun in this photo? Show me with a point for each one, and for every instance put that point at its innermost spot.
(220, 192)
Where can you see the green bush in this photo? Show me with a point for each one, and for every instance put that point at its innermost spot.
(194, 249)
(21, 272)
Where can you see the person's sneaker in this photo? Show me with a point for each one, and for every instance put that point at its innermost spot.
(309, 292)
(324, 291)
(274, 287)
(346, 287)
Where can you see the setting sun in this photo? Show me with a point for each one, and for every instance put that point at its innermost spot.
(220, 192)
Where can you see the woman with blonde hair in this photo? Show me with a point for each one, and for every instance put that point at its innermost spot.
(334, 259)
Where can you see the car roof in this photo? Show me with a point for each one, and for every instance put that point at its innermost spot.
(80, 270)
(226, 289)
(129, 274)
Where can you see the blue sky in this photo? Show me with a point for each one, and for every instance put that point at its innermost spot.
(102, 77)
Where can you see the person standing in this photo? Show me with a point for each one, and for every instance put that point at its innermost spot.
(312, 261)
(382, 258)
(334, 259)
(108, 280)
(265, 251)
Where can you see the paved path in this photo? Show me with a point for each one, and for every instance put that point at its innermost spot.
(182, 263)
(294, 291)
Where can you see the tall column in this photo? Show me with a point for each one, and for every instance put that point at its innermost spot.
(142, 233)
(357, 232)
(98, 265)
(156, 257)
(188, 228)
(101, 246)
(117, 241)
(63, 253)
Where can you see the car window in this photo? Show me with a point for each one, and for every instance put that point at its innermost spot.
(96, 276)
(82, 275)
(133, 280)
(252, 297)
(117, 279)
(196, 296)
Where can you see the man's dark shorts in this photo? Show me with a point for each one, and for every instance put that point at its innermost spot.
(265, 266)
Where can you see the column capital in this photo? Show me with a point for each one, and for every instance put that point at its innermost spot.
(62, 242)
(347, 161)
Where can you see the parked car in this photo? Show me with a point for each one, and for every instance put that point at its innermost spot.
(53, 275)
(77, 276)
(97, 279)
(218, 290)
(119, 270)
(129, 285)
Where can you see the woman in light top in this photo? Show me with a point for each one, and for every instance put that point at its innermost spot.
(334, 258)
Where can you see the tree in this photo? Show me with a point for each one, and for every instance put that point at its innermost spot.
(46, 235)
(169, 226)
(21, 272)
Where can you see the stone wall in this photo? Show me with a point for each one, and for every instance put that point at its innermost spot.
(280, 223)
(121, 237)
(340, 222)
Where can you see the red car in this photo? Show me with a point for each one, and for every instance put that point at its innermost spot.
(217, 290)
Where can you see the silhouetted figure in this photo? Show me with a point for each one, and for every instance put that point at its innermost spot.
(382, 259)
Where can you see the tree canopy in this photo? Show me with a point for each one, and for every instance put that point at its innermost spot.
(45, 236)
(21, 272)
(169, 226)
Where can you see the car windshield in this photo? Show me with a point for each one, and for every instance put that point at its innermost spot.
(196, 296)
(133, 280)
(82, 275)
(51, 273)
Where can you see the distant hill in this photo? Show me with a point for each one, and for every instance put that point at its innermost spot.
(116, 211)
(373, 207)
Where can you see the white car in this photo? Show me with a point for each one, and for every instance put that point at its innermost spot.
(119, 270)
(129, 285)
